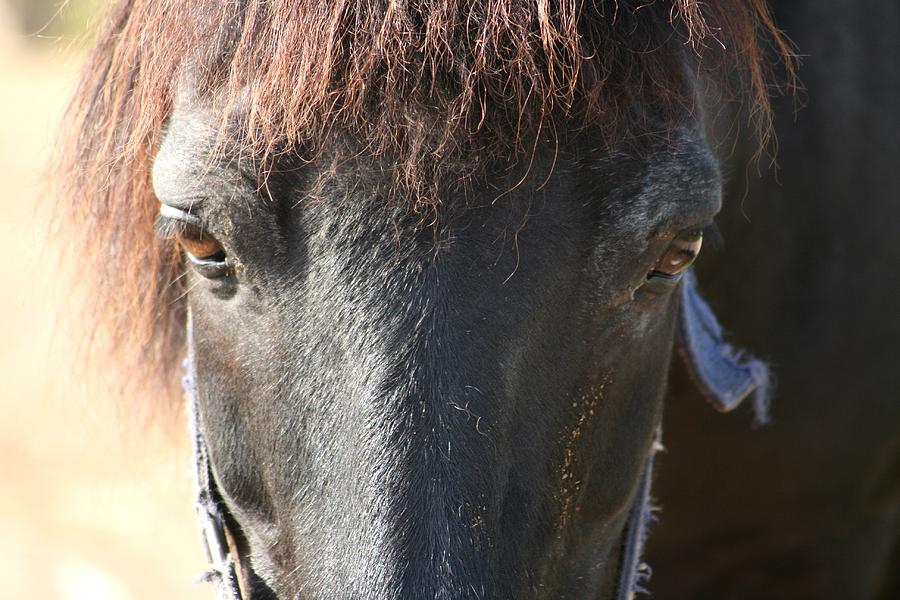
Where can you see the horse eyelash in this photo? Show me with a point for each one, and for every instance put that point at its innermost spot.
(167, 229)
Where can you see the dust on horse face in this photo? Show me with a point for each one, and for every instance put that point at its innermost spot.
(456, 409)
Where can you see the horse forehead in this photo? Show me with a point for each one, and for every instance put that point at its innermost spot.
(188, 164)
(659, 180)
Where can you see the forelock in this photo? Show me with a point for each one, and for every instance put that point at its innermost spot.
(419, 84)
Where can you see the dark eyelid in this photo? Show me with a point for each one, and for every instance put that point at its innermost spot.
(701, 228)
(712, 236)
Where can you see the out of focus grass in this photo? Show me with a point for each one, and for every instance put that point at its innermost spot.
(50, 21)
(90, 506)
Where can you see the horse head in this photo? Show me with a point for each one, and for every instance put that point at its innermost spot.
(432, 282)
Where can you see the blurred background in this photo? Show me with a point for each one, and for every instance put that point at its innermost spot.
(93, 503)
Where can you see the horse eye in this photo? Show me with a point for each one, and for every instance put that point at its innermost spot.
(202, 250)
(680, 254)
(199, 245)
(205, 254)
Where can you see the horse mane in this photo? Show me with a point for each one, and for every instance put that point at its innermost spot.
(417, 81)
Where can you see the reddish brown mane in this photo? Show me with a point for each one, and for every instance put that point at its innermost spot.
(417, 84)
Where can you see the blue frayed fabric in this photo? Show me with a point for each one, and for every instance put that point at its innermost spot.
(726, 375)
(633, 572)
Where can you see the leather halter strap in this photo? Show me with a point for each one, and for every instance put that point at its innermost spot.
(223, 568)
(222, 572)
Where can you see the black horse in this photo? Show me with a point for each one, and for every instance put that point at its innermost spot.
(433, 258)
(809, 506)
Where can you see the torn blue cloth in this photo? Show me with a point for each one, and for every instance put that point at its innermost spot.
(725, 374)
